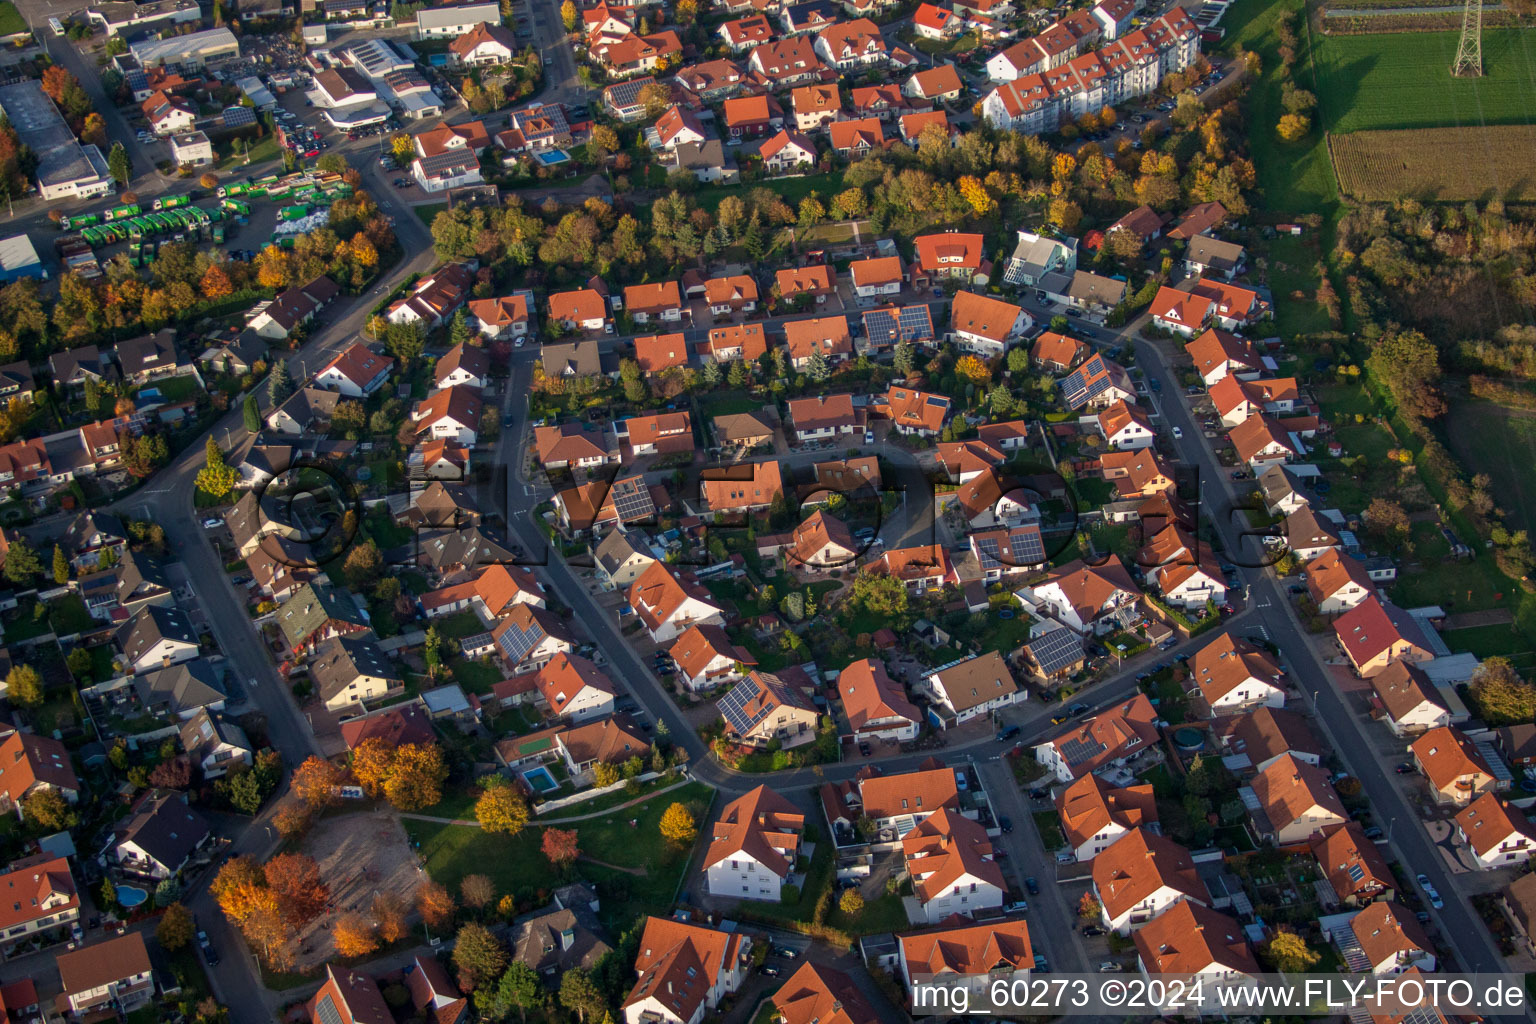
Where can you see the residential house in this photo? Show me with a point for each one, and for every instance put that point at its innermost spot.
(712, 80)
(880, 276)
(743, 431)
(307, 410)
(348, 671)
(1142, 876)
(1096, 384)
(148, 357)
(157, 636)
(816, 106)
(115, 974)
(881, 102)
(963, 461)
(293, 308)
(347, 997)
(612, 740)
(72, 368)
(1409, 701)
(949, 859)
(785, 63)
(1374, 634)
(937, 23)
(214, 743)
(436, 298)
(485, 45)
(1125, 427)
(1236, 400)
(1353, 865)
(583, 309)
(916, 413)
(764, 708)
(1261, 442)
(1057, 352)
(574, 688)
(685, 970)
(621, 558)
(706, 658)
(356, 373)
(1218, 353)
(973, 687)
(30, 763)
(1282, 491)
(1496, 832)
(984, 325)
(753, 847)
(159, 836)
(659, 300)
(826, 337)
(572, 446)
(821, 541)
(1117, 733)
(938, 84)
(1267, 734)
(875, 705)
(1191, 939)
(319, 612)
(823, 417)
(743, 487)
(529, 637)
(1233, 675)
(433, 993)
(1087, 598)
(787, 151)
(743, 34)
(1456, 770)
(1095, 814)
(1297, 800)
(924, 568)
(42, 894)
(816, 281)
(847, 45)
(668, 601)
(181, 690)
(1391, 939)
(857, 138)
(973, 955)
(1143, 223)
(462, 365)
(451, 413)
(1207, 255)
(674, 128)
(953, 254)
(1140, 473)
(730, 295)
(1004, 552)
(816, 993)
(746, 342)
(667, 433)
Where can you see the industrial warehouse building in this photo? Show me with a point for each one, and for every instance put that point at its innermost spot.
(65, 168)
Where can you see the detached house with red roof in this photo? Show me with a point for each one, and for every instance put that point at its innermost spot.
(915, 413)
(1497, 833)
(851, 44)
(356, 373)
(665, 433)
(451, 413)
(925, 567)
(1141, 877)
(936, 22)
(574, 688)
(1094, 814)
(825, 336)
(1262, 442)
(1233, 675)
(347, 997)
(938, 84)
(1374, 634)
(1087, 598)
(815, 106)
(706, 658)
(949, 859)
(660, 300)
(657, 352)
(1218, 353)
(784, 63)
(584, 309)
(786, 151)
(742, 487)
(875, 705)
(29, 763)
(685, 970)
(753, 847)
(817, 281)
(970, 688)
(1192, 939)
(1457, 771)
(742, 34)
(765, 709)
(736, 293)
(36, 894)
(984, 325)
(852, 139)
(873, 278)
(669, 601)
(823, 417)
(815, 994)
(433, 993)
(1121, 731)
(952, 254)
(972, 956)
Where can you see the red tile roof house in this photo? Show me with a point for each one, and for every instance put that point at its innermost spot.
(817, 281)
(939, 84)
(852, 139)
(852, 44)
(874, 278)
(435, 299)
(450, 413)
(675, 128)
(728, 295)
(741, 487)
(744, 33)
(660, 300)
(667, 433)
(668, 602)
(738, 341)
(433, 993)
(1184, 313)
(348, 997)
(786, 151)
(823, 417)
(876, 706)
(936, 23)
(881, 102)
(685, 970)
(916, 413)
(953, 254)
(356, 373)
(785, 63)
(707, 658)
(572, 445)
(657, 352)
(506, 316)
(583, 309)
(1374, 634)
(41, 894)
(751, 116)
(826, 335)
(922, 568)
(815, 106)
(754, 846)
(984, 325)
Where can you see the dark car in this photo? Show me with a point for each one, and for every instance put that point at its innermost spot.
(1007, 733)
(1032, 885)
(1005, 824)
(1091, 930)
(770, 970)
(1405, 768)
(1039, 794)
(1374, 832)
(1077, 709)
(787, 952)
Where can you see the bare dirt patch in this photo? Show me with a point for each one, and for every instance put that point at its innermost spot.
(360, 855)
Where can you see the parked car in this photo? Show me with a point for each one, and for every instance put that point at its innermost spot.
(1111, 967)
(787, 952)
(1178, 435)
(1032, 885)
(1007, 733)
(1091, 930)
(1042, 965)
(1406, 768)
(1005, 824)
(212, 523)
(769, 970)
(1016, 907)
(1077, 710)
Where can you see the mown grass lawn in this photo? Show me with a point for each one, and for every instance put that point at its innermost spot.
(517, 867)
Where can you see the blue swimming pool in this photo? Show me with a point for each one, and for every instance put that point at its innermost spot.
(541, 780)
(131, 895)
(551, 157)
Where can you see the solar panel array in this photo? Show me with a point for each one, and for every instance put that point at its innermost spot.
(326, 1011)
(733, 706)
(632, 500)
(238, 117)
(1028, 546)
(515, 642)
(1084, 382)
(888, 327)
(1056, 651)
(1077, 750)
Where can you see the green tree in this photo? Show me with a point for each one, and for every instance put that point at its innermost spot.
(60, 566)
(711, 374)
(1018, 360)
(175, 928)
(1501, 695)
(851, 903)
(119, 165)
(24, 686)
(903, 358)
(580, 995)
(1289, 952)
(817, 368)
(881, 596)
(458, 328)
(1408, 365)
(519, 989)
(79, 664)
(216, 478)
(21, 562)
(280, 383)
(252, 414)
(432, 650)
(739, 374)
(93, 396)
(48, 809)
(479, 955)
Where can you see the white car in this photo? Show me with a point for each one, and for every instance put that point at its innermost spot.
(1178, 435)
(212, 524)
(869, 437)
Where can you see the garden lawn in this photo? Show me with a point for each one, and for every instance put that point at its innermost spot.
(791, 190)
(817, 877)
(886, 914)
(1493, 641)
(517, 866)
(1048, 824)
(475, 676)
(1511, 463)
(427, 212)
(729, 405)
(459, 625)
(11, 21)
(68, 615)
(1403, 80)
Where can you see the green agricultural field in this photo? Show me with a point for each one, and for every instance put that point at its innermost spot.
(1402, 80)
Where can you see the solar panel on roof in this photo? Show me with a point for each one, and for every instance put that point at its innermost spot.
(915, 322)
(733, 706)
(881, 327)
(1055, 651)
(235, 117)
(515, 642)
(1356, 873)
(632, 500)
(1077, 750)
(1027, 545)
(936, 400)
(326, 1011)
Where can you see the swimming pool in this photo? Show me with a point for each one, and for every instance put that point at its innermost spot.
(551, 157)
(540, 779)
(131, 895)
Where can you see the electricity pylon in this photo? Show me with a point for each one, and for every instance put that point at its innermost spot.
(1469, 52)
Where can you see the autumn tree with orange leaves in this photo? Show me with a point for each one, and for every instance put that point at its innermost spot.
(316, 782)
(235, 885)
(370, 764)
(393, 917)
(215, 283)
(296, 880)
(354, 936)
(559, 845)
(974, 369)
(435, 905)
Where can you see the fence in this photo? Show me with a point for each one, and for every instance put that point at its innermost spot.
(588, 794)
